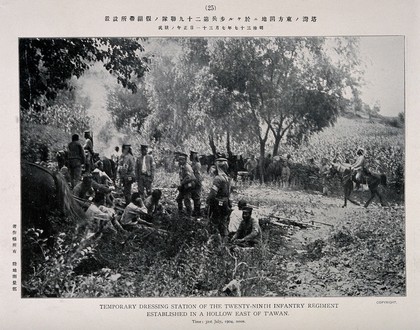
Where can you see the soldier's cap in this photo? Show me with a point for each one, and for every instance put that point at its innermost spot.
(360, 149)
(126, 146)
(221, 159)
(181, 154)
(87, 132)
(144, 146)
(87, 175)
(242, 203)
(96, 171)
(192, 152)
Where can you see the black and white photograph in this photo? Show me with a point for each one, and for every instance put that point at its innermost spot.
(195, 167)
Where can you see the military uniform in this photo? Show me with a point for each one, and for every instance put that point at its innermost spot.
(126, 167)
(187, 185)
(145, 168)
(88, 147)
(76, 158)
(219, 204)
(249, 232)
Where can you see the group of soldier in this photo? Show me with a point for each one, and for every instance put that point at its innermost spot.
(123, 169)
(141, 205)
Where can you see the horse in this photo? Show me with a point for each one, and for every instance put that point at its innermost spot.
(373, 180)
(44, 193)
(274, 170)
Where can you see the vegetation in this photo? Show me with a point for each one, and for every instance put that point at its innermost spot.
(284, 96)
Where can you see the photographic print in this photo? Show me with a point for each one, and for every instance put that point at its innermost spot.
(212, 167)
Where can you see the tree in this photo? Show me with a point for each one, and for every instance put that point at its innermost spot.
(129, 110)
(283, 85)
(46, 65)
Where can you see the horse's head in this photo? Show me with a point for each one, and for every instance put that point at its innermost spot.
(338, 168)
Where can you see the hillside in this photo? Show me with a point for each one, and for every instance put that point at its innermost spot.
(335, 252)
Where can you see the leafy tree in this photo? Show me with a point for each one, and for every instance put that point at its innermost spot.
(172, 86)
(283, 85)
(128, 110)
(46, 65)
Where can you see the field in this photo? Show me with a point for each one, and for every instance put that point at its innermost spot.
(336, 252)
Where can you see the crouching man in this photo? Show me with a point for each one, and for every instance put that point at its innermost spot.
(133, 211)
(249, 231)
(99, 217)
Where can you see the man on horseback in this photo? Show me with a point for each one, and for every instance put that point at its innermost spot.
(358, 167)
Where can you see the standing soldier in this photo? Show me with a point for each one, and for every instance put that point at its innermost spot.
(88, 147)
(126, 170)
(218, 199)
(145, 170)
(196, 192)
(187, 183)
(76, 157)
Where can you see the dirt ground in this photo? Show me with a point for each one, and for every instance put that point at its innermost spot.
(348, 251)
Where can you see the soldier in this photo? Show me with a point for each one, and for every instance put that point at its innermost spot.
(358, 167)
(126, 170)
(152, 202)
(133, 210)
(187, 183)
(88, 147)
(249, 231)
(84, 189)
(196, 192)
(218, 199)
(76, 159)
(235, 217)
(145, 170)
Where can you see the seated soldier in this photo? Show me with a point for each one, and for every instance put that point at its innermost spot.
(84, 189)
(100, 184)
(249, 231)
(235, 217)
(152, 202)
(99, 217)
(133, 210)
(102, 177)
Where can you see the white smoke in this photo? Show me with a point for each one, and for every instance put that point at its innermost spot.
(95, 85)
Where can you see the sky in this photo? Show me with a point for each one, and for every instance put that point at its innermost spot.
(384, 72)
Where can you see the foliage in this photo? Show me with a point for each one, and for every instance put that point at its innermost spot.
(46, 65)
(128, 110)
(384, 147)
(66, 112)
(285, 85)
(38, 140)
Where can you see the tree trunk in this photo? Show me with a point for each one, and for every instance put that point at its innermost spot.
(277, 140)
(229, 151)
(261, 160)
(212, 145)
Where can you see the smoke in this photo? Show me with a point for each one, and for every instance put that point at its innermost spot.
(95, 85)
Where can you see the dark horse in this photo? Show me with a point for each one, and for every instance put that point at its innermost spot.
(373, 181)
(44, 193)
